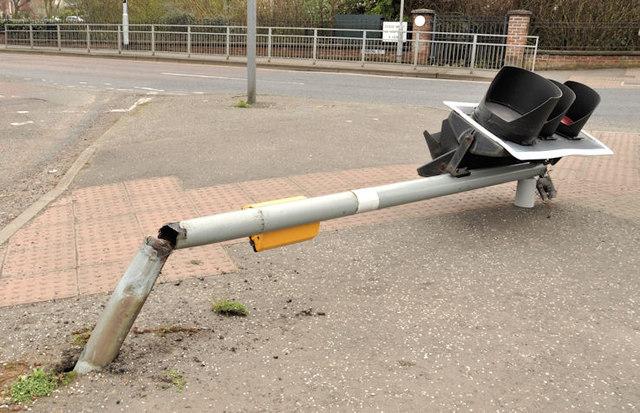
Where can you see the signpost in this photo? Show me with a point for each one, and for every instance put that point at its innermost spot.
(402, 28)
(390, 32)
(125, 23)
(251, 51)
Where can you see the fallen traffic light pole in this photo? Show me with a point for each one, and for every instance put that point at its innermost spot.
(497, 141)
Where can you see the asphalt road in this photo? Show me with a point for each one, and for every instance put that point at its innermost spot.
(618, 110)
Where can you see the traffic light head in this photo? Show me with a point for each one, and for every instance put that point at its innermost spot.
(559, 111)
(517, 105)
(580, 111)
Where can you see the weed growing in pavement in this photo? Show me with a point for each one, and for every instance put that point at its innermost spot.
(174, 377)
(80, 337)
(38, 383)
(242, 104)
(230, 308)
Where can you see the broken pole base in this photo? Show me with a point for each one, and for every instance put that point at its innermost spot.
(124, 305)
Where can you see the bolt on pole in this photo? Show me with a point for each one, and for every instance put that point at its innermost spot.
(251, 51)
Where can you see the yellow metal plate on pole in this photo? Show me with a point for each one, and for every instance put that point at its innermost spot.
(285, 236)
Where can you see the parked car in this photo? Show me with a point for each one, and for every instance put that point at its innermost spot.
(74, 19)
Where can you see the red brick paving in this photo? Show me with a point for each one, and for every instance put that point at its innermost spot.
(65, 251)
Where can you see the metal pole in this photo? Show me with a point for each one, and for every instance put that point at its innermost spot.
(123, 306)
(6, 36)
(526, 193)
(228, 43)
(416, 46)
(31, 36)
(535, 55)
(315, 45)
(59, 35)
(125, 23)
(88, 40)
(247, 222)
(136, 284)
(153, 40)
(400, 34)
(188, 41)
(119, 39)
(269, 44)
(251, 51)
(472, 64)
(363, 48)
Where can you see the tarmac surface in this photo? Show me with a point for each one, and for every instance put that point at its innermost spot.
(463, 302)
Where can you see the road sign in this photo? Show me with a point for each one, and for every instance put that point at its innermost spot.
(390, 31)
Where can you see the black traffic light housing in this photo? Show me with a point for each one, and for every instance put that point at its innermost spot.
(517, 105)
(522, 118)
(580, 111)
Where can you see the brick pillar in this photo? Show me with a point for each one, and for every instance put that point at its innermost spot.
(517, 32)
(422, 20)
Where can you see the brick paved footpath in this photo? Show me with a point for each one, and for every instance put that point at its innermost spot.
(82, 243)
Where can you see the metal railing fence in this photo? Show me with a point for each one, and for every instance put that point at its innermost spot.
(463, 50)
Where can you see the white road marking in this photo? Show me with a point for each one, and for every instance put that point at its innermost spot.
(84, 83)
(203, 76)
(21, 123)
(148, 88)
(227, 78)
(137, 103)
(22, 112)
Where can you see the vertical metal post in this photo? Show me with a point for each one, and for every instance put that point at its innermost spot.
(153, 40)
(59, 36)
(535, 55)
(251, 51)
(400, 34)
(31, 36)
(526, 193)
(119, 39)
(472, 64)
(315, 45)
(188, 41)
(227, 47)
(125, 23)
(6, 36)
(269, 45)
(416, 46)
(363, 48)
(88, 40)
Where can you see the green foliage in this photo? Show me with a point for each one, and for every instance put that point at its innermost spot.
(174, 377)
(67, 378)
(179, 17)
(80, 337)
(384, 8)
(242, 104)
(38, 383)
(230, 308)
